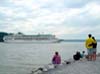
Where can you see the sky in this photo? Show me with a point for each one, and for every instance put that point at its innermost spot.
(67, 19)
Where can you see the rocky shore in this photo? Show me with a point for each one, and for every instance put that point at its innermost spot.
(72, 67)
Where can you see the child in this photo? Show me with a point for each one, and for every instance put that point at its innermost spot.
(83, 54)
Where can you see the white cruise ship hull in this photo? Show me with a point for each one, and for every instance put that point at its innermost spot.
(31, 41)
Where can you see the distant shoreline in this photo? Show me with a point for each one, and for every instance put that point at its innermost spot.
(75, 40)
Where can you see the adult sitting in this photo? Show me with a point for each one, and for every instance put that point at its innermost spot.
(77, 56)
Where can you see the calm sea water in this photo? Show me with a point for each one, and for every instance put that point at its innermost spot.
(23, 58)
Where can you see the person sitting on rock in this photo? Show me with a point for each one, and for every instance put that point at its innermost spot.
(56, 60)
(77, 56)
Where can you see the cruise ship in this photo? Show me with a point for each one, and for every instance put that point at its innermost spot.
(39, 38)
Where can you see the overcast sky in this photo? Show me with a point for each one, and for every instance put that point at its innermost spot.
(68, 19)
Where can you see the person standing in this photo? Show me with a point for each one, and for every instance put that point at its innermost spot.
(94, 49)
(89, 47)
(56, 60)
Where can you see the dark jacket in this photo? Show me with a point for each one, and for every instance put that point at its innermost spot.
(77, 56)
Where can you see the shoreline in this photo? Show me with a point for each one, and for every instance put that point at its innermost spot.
(69, 65)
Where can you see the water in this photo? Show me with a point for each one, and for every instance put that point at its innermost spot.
(23, 58)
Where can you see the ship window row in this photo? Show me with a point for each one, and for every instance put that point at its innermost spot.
(35, 36)
(31, 38)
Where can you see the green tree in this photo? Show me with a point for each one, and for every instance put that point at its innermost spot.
(2, 34)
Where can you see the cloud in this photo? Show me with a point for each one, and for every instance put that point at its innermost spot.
(94, 9)
(60, 17)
